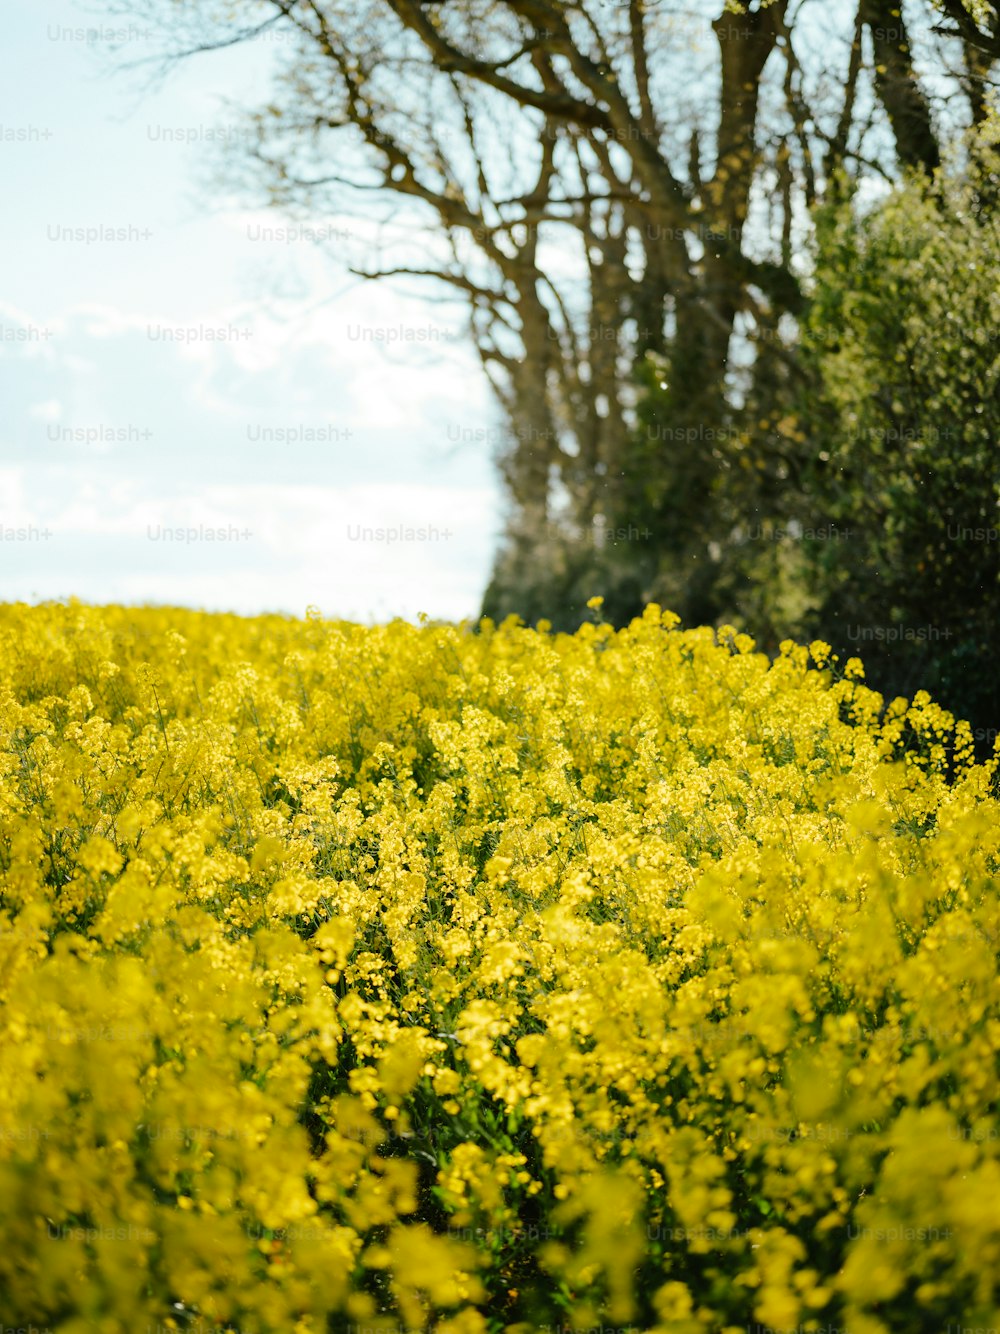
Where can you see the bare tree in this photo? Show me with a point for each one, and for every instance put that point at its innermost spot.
(600, 181)
(975, 22)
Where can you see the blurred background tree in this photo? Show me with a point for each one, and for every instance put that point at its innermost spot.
(688, 282)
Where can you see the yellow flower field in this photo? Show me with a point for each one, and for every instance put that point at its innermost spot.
(426, 977)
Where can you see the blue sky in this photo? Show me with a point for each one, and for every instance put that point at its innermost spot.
(164, 375)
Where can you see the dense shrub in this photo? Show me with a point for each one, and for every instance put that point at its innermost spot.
(903, 342)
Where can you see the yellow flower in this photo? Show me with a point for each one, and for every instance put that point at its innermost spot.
(349, 972)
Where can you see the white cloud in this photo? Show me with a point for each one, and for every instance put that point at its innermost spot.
(201, 433)
(386, 520)
(49, 411)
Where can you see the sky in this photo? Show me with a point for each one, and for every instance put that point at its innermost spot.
(191, 414)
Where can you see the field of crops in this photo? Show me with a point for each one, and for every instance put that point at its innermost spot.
(411, 977)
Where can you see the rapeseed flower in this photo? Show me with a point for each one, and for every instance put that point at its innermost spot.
(424, 977)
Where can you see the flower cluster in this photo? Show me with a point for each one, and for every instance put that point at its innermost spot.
(476, 978)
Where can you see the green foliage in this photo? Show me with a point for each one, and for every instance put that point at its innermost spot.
(901, 411)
